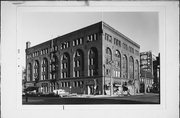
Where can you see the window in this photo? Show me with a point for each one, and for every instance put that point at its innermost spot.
(115, 41)
(54, 65)
(125, 46)
(108, 51)
(78, 41)
(117, 54)
(93, 62)
(78, 62)
(131, 67)
(65, 45)
(78, 74)
(36, 71)
(74, 43)
(95, 37)
(108, 55)
(108, 37)
(29, 72)
(90, 38)
(44, 69)
(137, 52)
(75, 85)
(65, 59)
(108, 72)
(136, 74)
(131, 49)
(124, 67)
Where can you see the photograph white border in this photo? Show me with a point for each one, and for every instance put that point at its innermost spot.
(168, 40)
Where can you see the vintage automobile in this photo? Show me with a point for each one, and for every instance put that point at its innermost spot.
(61, 92)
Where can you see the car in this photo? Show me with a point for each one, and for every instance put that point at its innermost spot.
(61, 92)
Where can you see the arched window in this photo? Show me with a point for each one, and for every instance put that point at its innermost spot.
(78, 63)
(108, 55)
(117, 54)
(36, 71)
(136, 69)
(124, 67)
(131, 67)
(108, 51)
(118, 63)
(29, 72)
(44, 69)
(53, 67)
(65, 65)
(93, 62)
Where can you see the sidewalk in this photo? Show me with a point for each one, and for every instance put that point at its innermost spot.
(99, 96)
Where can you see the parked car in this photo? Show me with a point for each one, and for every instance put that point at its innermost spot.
(61, 92)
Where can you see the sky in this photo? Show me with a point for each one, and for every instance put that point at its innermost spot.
(38, 27)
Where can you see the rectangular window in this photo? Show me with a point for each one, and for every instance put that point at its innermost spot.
(107, 72)
(106, 36)
(50, 76)
(77, 42)
(91, 72)
(115, 41)
(74, 84)
(110, 38)
(95, 37)
(74, 43)
(65, 75)
(80, 40)
(54, 76)
(78, 74)
(125, 46)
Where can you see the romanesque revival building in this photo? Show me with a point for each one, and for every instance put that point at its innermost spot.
(91, 60)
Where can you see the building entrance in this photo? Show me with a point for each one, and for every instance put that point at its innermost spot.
(90, 89)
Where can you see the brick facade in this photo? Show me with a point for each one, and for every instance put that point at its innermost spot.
(82, 61)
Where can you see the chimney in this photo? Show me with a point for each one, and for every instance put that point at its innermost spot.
(28, 44)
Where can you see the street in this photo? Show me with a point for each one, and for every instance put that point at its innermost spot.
(137, 99)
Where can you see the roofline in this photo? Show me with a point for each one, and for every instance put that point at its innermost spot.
(120, 34)
(100, 22)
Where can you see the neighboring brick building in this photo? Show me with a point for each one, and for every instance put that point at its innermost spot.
(86, 61)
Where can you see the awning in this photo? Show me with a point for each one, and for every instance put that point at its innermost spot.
(32, 88)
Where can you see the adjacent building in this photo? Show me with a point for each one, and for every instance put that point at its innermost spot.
(96, 59)
(147, 61)
(156, 73)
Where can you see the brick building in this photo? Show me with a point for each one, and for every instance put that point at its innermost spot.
(90, 60)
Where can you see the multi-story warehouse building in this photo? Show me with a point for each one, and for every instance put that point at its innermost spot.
(91, 60)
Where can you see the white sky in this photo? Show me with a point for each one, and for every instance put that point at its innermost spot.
(38, 27)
